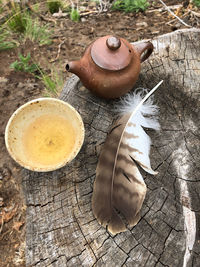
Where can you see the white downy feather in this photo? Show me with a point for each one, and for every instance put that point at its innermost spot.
(144, 114)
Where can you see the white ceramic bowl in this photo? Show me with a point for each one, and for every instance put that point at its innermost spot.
(44, 134)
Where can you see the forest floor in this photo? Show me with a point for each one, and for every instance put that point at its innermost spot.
(69, 40)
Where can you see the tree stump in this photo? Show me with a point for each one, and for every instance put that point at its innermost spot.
(61, 228)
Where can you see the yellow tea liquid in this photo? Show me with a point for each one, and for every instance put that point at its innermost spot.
(49, 140)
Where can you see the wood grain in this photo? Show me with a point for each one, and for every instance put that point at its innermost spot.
(61, 229)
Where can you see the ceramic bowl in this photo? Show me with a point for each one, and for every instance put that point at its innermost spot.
(44, 134)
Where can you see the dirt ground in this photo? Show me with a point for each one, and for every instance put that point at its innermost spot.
(16, 88)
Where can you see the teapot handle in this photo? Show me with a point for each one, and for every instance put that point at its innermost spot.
(142, 47)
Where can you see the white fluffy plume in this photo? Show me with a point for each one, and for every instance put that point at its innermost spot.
(144, 113)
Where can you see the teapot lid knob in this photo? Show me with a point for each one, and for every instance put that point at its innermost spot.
(113, 43)
(111, 53)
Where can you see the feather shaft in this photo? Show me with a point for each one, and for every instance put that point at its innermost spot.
(145, 98)
(133, 113)
(119, 188)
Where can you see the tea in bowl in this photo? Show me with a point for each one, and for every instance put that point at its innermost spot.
(44, 134)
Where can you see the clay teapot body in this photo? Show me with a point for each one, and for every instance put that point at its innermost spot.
(110, 66)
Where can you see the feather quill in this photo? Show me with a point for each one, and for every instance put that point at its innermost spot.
(119, 189)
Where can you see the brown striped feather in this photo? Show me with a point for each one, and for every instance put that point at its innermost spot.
(118, 187)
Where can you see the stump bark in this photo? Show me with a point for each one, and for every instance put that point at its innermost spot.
(61, 229)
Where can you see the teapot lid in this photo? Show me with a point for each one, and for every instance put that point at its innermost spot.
(111, 53)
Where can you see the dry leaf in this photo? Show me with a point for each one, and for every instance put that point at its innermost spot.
(17, 225)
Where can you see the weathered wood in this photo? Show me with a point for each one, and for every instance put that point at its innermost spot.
(61, 229)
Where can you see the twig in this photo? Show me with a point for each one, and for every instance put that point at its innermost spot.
(172, 13)
(87, 13)
(161, 9)
(171, 21)
(58, 53)
(1, 224)
(104, 5)
(195, 13)
(45, 19)
(60, 14)
(29, 6)
(3, 234)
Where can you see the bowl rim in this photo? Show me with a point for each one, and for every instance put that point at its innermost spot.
(49, 168)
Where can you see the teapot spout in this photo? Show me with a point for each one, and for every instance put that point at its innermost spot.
(74, 67)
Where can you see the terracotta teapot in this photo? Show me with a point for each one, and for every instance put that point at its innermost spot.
(110, 66)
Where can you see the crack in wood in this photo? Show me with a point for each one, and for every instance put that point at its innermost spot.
(79, 226)
(59, 217)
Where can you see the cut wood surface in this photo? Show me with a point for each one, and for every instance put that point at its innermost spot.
(61, 229)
